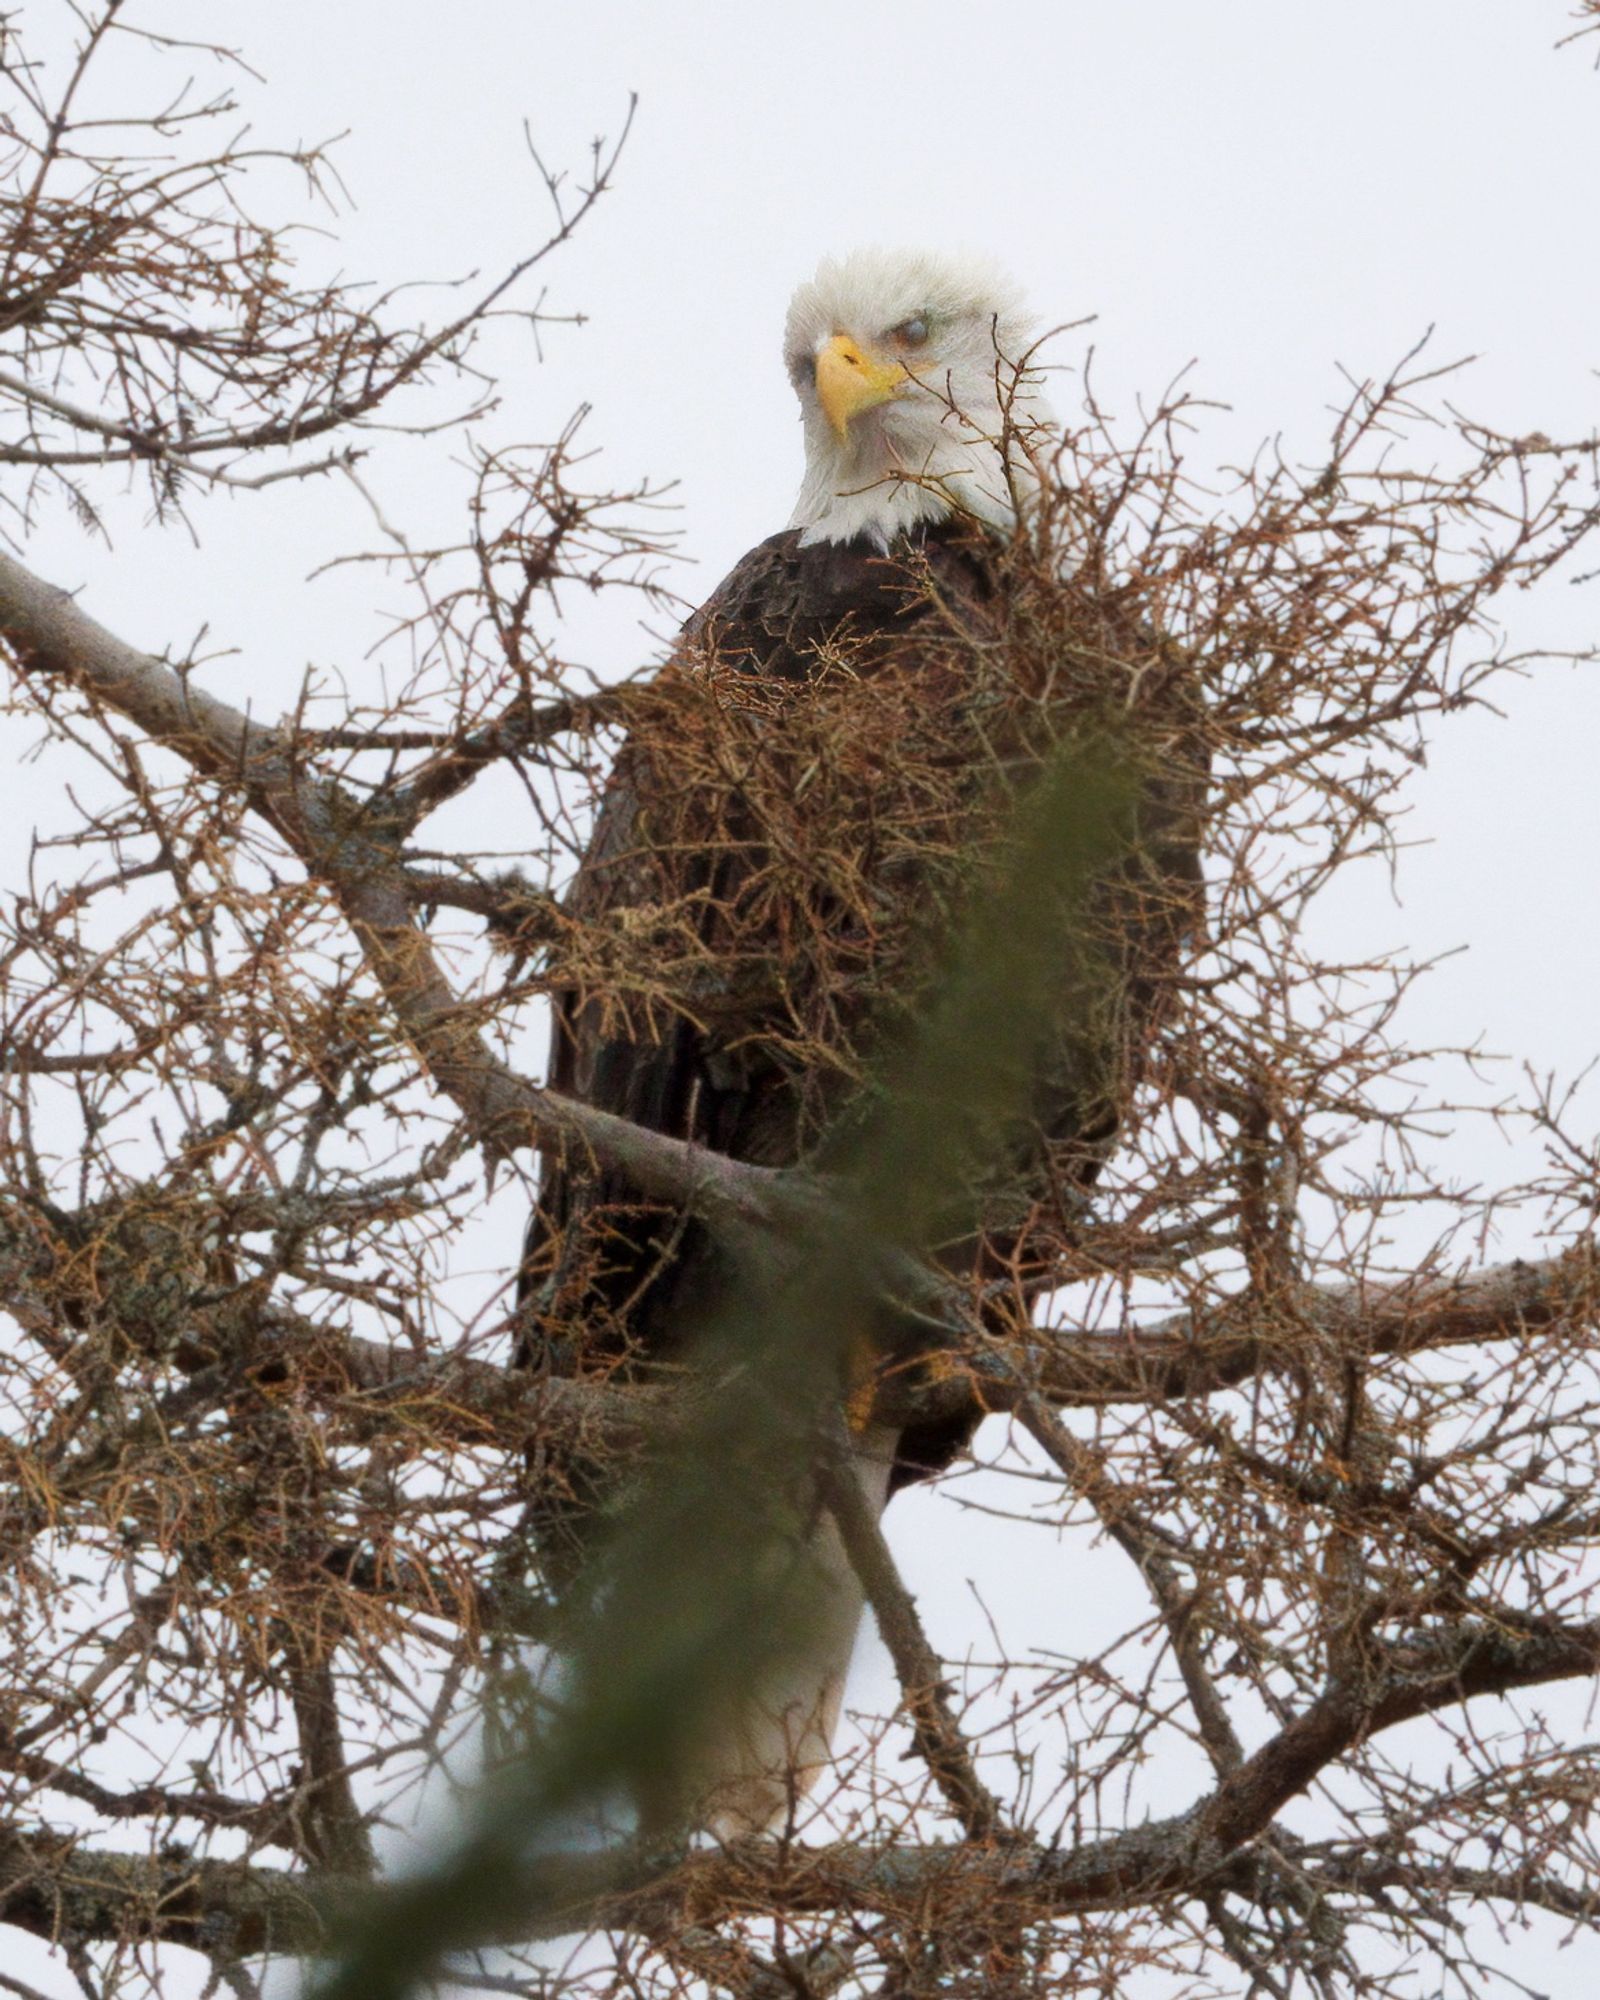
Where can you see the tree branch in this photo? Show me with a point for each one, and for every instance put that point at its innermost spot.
(339, 842)
(47, 1880)
(1085, 1470)
(935, 1730)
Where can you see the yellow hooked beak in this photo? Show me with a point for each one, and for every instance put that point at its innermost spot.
(850, 381)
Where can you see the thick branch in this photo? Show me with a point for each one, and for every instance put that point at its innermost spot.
(1199, 1353)
(330, 1827)
(339, 842)
(53, 1886)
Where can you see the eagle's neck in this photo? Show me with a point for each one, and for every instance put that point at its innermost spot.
(899, 473)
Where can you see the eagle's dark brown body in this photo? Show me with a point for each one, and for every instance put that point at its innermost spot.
(753, 1045)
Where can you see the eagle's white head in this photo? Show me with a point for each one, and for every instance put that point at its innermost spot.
(914, 393)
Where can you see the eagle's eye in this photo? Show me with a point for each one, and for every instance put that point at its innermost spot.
(911, 332)
(803, 370)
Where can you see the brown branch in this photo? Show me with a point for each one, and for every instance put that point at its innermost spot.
(934, 1728)
(1199, 1353)
(146, 1615)
(51, 1885)
(207, 1806)
(1179, 1357)
(518, 729)
(222, 1908)
(1086, 1471)
(1187, 1355)
(475, 1398)
(1518, 1886)
(337, 840)
(507, 904)
(331, 1829)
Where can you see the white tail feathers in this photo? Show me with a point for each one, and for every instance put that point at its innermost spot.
(779, 1740)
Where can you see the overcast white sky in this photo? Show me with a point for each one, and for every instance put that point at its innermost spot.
(1270, 188)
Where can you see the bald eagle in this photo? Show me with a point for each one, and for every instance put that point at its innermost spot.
(765, 849)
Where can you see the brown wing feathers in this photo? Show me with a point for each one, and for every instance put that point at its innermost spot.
(764, 857)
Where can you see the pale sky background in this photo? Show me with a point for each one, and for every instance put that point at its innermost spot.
(1269, 188)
